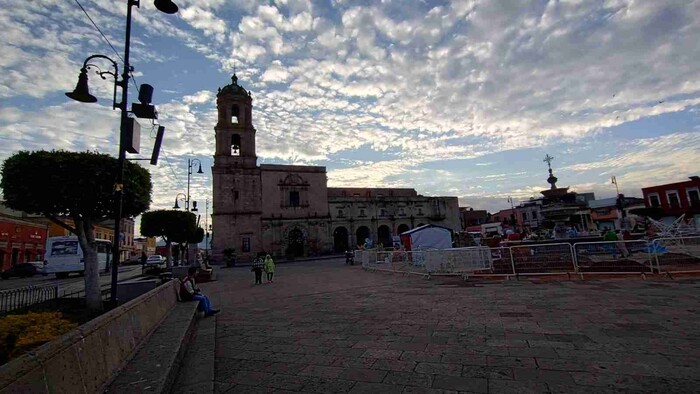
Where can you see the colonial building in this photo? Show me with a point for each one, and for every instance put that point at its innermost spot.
(675, 199)
(289, 210)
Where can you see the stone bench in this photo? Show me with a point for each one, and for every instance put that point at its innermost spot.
(154, 366)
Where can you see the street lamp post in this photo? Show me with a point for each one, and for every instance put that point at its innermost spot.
(206, 230)
(81, 93)
(190, 164)
(512, 213)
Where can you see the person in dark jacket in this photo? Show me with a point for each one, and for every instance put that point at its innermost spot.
(258, 269)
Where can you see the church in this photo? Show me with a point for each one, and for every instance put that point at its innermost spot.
(289, 210)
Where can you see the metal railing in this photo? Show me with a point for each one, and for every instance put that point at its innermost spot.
(26, 296)
(663, 255)
(676, 255)
(543, 259)
(613, 257)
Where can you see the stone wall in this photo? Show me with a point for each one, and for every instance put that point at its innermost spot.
(87, 358)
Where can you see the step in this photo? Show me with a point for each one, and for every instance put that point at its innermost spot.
(155, 364)
(196, 374)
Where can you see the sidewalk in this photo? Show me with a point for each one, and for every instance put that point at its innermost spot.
(327, 327)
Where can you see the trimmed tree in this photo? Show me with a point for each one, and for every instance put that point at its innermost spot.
(172, 226)
(79, 186)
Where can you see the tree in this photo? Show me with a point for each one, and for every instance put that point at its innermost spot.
(79, 186)
(171, 226)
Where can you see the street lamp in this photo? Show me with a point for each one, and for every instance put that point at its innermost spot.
(82, 94)
(184, 198)
(190, 164)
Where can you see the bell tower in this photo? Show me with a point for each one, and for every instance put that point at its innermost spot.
(235, 134)
(237, 209)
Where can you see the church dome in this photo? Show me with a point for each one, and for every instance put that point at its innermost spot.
(234, 88)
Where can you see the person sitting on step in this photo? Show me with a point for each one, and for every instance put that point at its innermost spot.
(190, 292)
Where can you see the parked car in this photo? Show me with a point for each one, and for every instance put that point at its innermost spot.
(155, 260)
(22, 270)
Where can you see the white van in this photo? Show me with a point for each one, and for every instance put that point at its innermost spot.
(64, 256)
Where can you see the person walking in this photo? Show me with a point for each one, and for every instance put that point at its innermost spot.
(190, 292)
(269, 267)
(258, 269)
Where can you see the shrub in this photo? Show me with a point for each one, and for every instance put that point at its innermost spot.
(20, 333)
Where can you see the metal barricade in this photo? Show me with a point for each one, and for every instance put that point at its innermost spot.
(555, 258)
(675, 255)
(613, 257)
(458, 260)
(501, 261)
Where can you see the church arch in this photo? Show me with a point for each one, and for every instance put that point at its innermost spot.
(361, 234)
(384, 235)
(235, 145)
(295, 243)
(235, 114)
(403, 228)
(341, 239)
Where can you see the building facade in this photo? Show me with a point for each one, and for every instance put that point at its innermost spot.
(675, 199)
(21, 240)
(288, 210)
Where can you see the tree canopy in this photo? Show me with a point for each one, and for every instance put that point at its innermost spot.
(79, 185)
(173, 226)
(62, 183)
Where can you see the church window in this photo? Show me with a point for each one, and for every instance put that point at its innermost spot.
(362, 212)
(235, 145)
(402, 212)
(235, 195)
(341, 213)
(235, 113)
(383, 212)
(420, 211)
(245, 244)
(294, 198)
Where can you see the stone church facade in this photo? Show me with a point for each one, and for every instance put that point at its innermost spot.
(288, 210)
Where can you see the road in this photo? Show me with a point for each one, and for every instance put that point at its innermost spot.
(71, 284)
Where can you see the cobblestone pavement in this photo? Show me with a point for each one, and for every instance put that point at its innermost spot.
(325, 327)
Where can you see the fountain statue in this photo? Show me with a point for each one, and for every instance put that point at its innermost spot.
(559, 204)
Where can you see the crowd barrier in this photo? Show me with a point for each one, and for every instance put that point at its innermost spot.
(676, 255)
(662, 255)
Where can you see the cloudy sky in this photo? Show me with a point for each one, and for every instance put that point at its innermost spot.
(459, 98)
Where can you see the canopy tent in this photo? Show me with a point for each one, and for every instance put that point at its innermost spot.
(425, 237)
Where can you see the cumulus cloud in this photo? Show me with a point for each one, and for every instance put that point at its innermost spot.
(406, 85)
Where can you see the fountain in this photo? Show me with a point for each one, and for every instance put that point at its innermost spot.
(559, 204)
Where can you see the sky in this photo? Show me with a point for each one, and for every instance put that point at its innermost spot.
(459, 98)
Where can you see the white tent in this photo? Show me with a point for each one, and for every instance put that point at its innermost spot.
(425, 237)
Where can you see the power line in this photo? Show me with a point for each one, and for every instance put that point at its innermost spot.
(100, 30)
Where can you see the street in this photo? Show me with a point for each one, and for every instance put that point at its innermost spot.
(71, 284)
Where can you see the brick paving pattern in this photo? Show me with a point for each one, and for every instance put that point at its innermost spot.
(323, 327)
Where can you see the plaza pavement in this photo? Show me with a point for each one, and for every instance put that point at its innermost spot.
(326, 327)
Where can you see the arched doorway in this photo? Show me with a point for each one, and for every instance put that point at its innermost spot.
(340, 239)
(362, 233)
(402, 228)
(295, 246)
(384, 235)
